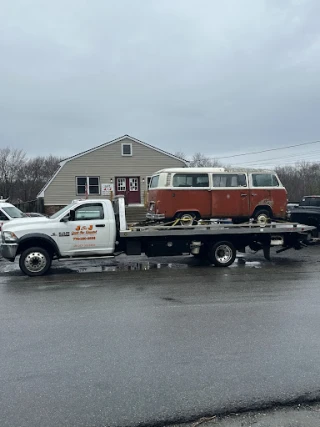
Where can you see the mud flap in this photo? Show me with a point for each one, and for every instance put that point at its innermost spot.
(266, 252)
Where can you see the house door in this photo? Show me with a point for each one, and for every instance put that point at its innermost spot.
(129, 187)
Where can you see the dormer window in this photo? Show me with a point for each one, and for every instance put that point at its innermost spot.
(126, 149)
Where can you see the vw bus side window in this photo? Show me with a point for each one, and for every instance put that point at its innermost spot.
(264, 180)
(154, 181)
(190, 180)
(229, 180)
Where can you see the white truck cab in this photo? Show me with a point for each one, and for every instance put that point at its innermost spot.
(82, 228)
(9, 212)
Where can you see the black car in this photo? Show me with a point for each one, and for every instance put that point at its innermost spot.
(307, 212)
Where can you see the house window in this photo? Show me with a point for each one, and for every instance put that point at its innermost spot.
(126, 149)
(88, 185)
(121, 184)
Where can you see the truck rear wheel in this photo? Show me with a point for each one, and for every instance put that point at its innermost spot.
(35, 261)
(222, 254)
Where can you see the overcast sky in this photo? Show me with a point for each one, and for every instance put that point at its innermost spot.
(220, 77)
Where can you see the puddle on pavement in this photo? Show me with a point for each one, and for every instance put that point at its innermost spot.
(147, 265)
(85, 267)
(243, 262)
(139, 266)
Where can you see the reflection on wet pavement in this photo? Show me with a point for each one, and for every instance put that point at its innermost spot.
(128, 266)
(152, 265)
(94, 266)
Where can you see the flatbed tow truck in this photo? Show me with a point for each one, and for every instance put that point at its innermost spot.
(98, 228)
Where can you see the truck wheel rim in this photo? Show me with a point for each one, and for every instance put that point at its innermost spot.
(35, 262)
(223, 254)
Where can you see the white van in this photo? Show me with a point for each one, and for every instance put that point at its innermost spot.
(9, 212)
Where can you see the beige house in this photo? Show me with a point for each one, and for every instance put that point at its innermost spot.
(122, 166)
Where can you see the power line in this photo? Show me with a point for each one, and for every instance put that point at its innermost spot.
(296, 156)
(270, 149)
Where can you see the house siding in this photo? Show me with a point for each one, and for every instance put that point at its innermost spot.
(106, 163)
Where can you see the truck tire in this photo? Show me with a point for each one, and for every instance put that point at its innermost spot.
(35, 261)
(222, 254)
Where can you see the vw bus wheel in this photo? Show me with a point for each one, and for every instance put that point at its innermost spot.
(35, 261)
(187, 219)
(262, 216)
(222, 254)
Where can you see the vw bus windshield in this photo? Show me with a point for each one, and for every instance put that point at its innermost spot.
(154, 181)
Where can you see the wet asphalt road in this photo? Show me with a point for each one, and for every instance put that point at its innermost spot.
(127, 348)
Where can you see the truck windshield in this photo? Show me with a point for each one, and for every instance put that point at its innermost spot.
(14, 212)
(65, 209)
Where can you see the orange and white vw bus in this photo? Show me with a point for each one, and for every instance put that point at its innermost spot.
(203, 193)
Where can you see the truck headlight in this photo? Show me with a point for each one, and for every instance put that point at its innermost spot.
(8, 236)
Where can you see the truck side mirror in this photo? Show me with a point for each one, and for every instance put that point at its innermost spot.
(69, 217)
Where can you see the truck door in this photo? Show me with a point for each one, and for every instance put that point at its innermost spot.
(229, 195)
(89, 233)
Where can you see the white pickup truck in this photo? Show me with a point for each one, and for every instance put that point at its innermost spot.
(9, 212)
(98, 228)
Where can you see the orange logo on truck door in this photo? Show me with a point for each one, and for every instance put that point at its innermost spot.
(84, 232)
(84, 227)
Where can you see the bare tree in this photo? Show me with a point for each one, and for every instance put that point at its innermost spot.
(34, 174)
(199, 160)
(11, 162)
(300, 180)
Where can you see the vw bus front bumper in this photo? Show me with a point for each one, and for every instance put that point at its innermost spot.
(155, 217)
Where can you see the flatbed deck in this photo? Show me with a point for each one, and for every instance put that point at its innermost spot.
(215, 229)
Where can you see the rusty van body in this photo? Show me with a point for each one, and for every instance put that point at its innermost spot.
(206, 193)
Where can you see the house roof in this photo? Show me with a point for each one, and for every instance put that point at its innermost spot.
(83, 153)
(121, 139)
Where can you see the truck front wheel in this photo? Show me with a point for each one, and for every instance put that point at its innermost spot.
(35, 261)
(222, 254)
